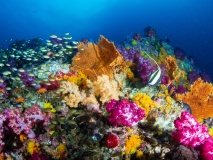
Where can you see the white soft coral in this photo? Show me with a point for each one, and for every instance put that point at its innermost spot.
(73, 94)
(105, 88)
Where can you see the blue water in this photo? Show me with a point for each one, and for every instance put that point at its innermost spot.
(187, 23)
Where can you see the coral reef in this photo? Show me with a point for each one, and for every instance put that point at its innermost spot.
(100, 105)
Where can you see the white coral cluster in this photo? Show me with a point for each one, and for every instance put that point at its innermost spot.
(73, 94)
(105, 88)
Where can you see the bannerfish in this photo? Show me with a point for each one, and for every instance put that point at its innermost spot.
(155, 76)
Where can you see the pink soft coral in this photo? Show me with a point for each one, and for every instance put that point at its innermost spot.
(24, 123)
(189, 132)
(124, 113)
(206, 150)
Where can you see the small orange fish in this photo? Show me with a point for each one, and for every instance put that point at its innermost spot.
(22, 137)
(42, 90)
(2, 90)
(20, 100)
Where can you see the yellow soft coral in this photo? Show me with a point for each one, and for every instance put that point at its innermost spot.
(32, 147)
(199, 98)
(61, 148)
(144, 101)
(211, 131)
(132, 143)
(162, 55)
(79, 79)
(48, 105)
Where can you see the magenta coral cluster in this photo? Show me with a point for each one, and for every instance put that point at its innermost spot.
(192, 134)
(124, 113)
(189, 132)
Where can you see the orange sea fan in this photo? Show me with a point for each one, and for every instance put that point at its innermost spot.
(97, 59)
(174, 72)
(199, 97)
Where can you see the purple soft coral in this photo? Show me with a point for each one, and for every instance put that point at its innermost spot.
(144, 68)
(128, 54)
(193, 76)
(27, 79)
(189, 132)
(124, 113)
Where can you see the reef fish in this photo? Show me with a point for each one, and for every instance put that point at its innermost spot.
(155, 76)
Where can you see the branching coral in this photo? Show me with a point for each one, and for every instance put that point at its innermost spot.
(199, 98)
(105, 88)
(73, 94)
(97, 59)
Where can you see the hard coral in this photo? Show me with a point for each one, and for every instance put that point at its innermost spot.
(189, 132)
(181, 152)
(124, 113)
(199, 98)
(97, 59)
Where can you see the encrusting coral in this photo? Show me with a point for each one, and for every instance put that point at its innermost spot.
(199, 98)
(97, 59)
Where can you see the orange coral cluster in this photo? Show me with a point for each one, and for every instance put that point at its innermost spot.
(174, 72)
(97, 59)
(200, 99)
